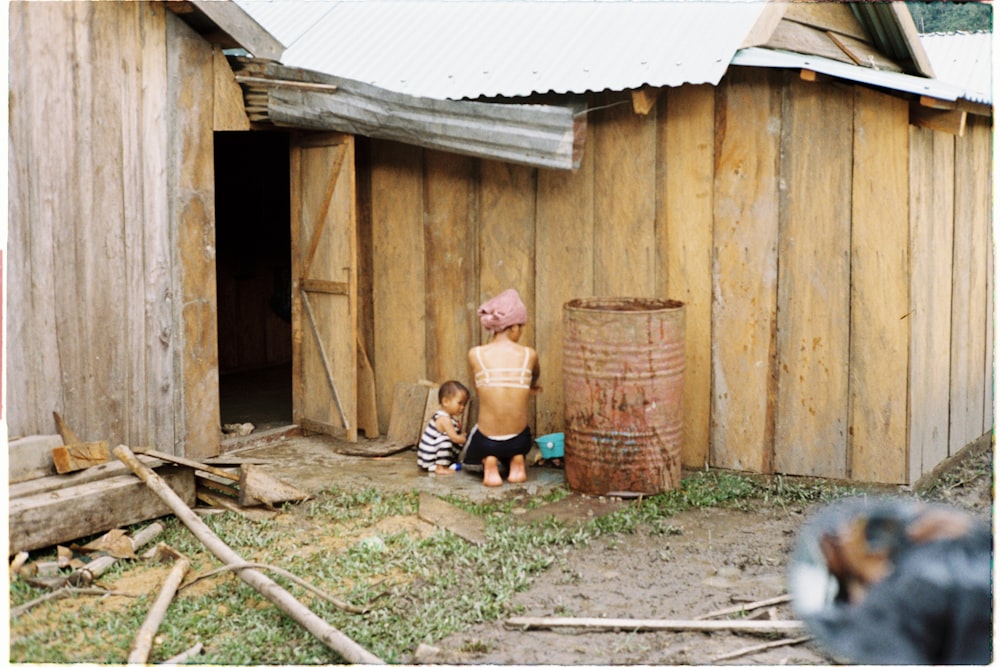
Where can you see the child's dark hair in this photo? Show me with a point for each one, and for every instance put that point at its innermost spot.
(452, 388)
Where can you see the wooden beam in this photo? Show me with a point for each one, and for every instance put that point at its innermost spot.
(230, 18)
(951, 121)
(935, 103)
(288, 83)
(644, 99)
(61, 516)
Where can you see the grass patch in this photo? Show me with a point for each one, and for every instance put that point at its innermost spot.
(365, 548)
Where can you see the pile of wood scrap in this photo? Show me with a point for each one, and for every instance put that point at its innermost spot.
(63, 489)
(76, 567)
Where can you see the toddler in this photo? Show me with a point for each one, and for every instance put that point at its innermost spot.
(441, 440)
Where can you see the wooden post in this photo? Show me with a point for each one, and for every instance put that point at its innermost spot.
(330, 636)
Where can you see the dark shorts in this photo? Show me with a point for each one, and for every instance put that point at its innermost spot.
(480, 446)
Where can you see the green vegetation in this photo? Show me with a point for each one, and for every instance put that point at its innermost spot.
(356, 547)
(952, 16)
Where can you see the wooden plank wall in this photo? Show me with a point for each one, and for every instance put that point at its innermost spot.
(932, 206)
(745, 270)
(191, 200)
(969, 362)
(814, 264)
(880, 304)
(784, 214)
(96, 210)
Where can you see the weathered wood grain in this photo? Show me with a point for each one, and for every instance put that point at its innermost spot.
(449, 266)
(564, 270)
(745, 269)
(968, 319)
(880, 328)
(814, 281)
(624, 144)
(685, 169)
(192, 205)
(64, 515)
(326, 255)
(399, 284)
(932, 205)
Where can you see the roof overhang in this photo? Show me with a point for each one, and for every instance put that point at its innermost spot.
(932, 91)
(226, 24)
(536, 135)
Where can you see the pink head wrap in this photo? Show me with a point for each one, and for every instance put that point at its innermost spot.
(504, 310)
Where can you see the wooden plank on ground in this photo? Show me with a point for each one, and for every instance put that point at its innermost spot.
(64, 515)
(405, 421)
(879, 336)
(441, 513)
(748, 105)
(30, 457)
(55, 482)
(685, 169)
(932, 214)
(814, 281)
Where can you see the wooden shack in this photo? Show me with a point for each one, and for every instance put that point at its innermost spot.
(831, 240)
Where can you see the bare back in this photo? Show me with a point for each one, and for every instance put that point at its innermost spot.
(502, 389)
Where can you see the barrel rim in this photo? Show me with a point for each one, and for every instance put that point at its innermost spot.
(622, 304)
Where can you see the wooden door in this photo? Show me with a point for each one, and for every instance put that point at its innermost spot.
(324, 284)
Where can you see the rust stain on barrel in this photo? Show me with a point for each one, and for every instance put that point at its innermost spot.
(623, 377)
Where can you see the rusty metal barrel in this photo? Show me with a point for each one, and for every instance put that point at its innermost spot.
(623, 380)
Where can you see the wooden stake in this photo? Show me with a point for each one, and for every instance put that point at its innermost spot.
(330, 636)
(745, 607)
(632, 624)
(757, 648)
(143, 644)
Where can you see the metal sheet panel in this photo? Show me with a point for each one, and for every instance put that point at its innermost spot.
(758, 57)
(458, 49)
(963, 59)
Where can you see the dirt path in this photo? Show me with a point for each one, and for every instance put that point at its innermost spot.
(700, 561)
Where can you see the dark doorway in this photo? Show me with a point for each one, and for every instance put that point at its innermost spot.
(253, 278)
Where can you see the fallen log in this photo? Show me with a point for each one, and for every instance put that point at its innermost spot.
(58, 517)
(285, 601)
(100, 565)
(143, 643)
(632, 624)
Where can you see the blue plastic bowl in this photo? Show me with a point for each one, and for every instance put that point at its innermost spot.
(551, 445)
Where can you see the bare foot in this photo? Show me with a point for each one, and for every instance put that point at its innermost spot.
(443, 470)
(517, 471)
(491, 472)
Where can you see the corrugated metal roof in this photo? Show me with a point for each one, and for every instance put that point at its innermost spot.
(917, 85)
(454, 49)
(964, 59)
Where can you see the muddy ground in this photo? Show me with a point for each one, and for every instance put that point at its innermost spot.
(700, 562)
